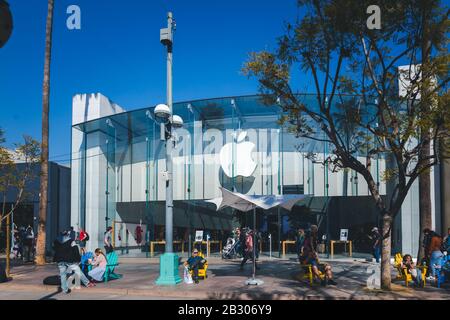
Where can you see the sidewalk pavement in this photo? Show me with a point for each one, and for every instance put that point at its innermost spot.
(282, 280)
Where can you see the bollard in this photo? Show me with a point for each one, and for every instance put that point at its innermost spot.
(190, 245)
(8, 244)
(207, 246)
(270, 246)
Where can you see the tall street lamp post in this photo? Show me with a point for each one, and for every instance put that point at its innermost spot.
(168, 263)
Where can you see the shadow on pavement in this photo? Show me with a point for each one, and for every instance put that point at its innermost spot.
(51, 295)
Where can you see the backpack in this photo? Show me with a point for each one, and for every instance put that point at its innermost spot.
(84, 236)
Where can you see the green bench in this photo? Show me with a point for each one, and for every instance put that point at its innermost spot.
(112, 262)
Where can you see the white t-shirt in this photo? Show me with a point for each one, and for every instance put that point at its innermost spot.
(107, 239)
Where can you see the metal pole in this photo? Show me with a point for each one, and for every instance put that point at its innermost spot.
(190, 244)
(254, 243)
(279, 233)
(270, 246)
(207, 246)
(12, 228)
(169, 148)
(8, 243)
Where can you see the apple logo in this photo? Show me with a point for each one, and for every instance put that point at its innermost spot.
(244, 163)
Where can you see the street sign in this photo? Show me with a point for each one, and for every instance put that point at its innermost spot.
(344, 234)
(199, 235)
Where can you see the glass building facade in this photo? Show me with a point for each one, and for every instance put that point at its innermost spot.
(118, 160)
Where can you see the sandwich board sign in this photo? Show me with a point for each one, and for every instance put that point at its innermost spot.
(199, 235)
(344, 234)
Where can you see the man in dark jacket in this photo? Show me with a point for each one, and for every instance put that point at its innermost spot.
(68, 259)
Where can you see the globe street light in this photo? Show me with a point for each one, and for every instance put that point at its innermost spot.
(168, 263)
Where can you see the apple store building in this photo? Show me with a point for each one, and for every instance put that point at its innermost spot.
(118, 180)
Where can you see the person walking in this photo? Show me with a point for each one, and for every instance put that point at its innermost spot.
(375, 238)
(299, 240)
(248, 251)
(436, 254)
(28, 243)
(108, 240)
(83, 237)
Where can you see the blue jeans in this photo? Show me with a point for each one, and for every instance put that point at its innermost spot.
(435, 259)
(377, 253)
(418, 279)
(66, 268)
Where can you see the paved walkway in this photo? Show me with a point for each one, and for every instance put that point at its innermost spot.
(281, 278)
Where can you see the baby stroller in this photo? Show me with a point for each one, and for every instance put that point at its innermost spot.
(230, 249)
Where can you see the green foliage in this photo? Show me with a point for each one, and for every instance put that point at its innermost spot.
(16, 169)
(358, 110)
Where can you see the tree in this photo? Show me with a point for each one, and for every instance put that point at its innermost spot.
(16, 170)
(40, 245)
(346, 60)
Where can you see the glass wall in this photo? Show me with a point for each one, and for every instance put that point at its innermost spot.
(234, 143)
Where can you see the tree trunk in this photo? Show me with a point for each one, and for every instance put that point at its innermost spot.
(424, 178)
(424, 202)
(386, 252)
(40, 246)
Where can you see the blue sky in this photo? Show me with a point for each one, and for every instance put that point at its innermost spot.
(117, 52)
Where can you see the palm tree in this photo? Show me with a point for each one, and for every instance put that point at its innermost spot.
(40, 246)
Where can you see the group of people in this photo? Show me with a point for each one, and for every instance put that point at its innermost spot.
(307, 252)
(23, 243)
(434, 248)
(71, 256)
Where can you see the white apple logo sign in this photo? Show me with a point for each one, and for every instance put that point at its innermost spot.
(244, 163)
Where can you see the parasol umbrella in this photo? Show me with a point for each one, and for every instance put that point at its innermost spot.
(245, 203)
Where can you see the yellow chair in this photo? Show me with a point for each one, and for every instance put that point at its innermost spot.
(308, 273)
(201, 271)
(398, 259)
(403, 271)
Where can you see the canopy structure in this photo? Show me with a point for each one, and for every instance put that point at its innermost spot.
(245, 203)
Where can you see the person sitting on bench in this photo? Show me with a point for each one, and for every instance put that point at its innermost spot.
(195, 262)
